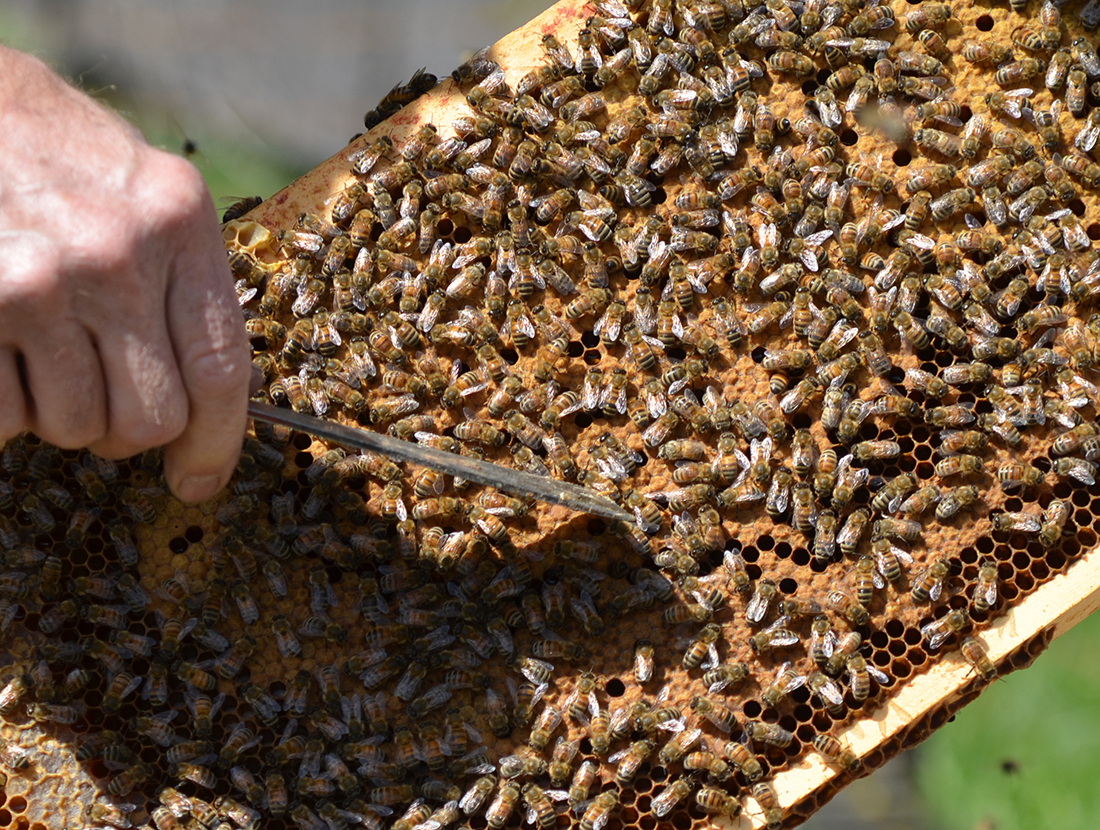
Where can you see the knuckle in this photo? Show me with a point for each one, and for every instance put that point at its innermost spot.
(218, 371)
(31, 284)
(73, 420)
(183, 195)
(140, 431)
(71, 430)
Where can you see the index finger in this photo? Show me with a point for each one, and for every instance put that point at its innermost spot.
(208, 336)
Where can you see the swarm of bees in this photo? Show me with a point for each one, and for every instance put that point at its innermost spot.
(838, 424)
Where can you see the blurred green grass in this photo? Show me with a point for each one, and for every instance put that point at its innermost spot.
(1026, 754)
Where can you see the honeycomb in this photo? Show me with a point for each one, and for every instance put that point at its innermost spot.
(611, 265)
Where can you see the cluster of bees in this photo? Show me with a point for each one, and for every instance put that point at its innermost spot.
(629, 268)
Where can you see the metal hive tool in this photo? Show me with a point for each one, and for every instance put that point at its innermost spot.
(516, 482)
(441, 603)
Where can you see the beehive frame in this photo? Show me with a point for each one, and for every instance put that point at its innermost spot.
(921, 705)
(1045, 591)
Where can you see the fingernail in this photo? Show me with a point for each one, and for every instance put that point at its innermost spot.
(198, 488)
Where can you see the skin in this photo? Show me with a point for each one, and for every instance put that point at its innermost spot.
(119, 326)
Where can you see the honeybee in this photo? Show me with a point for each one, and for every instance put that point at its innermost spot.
(701, 646)
(986, 51)
(716, 801)
(1054, 520)
(672, 795)
(954, 442)
(13, 693)
(946, 144)
(743, 759)
(975, 654)
(928, 584)
(117, 815)
(937, 631)
(836, 752)
(875, 450)
(129, 779)
(598, 812)
(847, 606)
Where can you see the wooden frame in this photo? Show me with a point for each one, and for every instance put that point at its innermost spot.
(918, 706)
(909, 715)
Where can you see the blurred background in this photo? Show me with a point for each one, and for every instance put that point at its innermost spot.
(256, 92)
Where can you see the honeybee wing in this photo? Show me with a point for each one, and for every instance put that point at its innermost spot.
(879, 676)
(1083, 471)
(896, 502)
(1012, 106)
(609, 325)
(717, 686)
(935, 633)
(781, 622)
(757, 608)
(936, 590)
(617, 756)
(711, 660)
(988, 593)
(808, 257)
(848, 332)
(761, 449)
(713, 399)
(829, 643)
(920, 241)
(742, 459)
(1085, 140)
(948, 119)
(673, 725)
(795, 681)
(593, 706)
(830, 691)
(767, 234)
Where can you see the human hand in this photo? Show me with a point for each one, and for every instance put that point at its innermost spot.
(119, 326)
